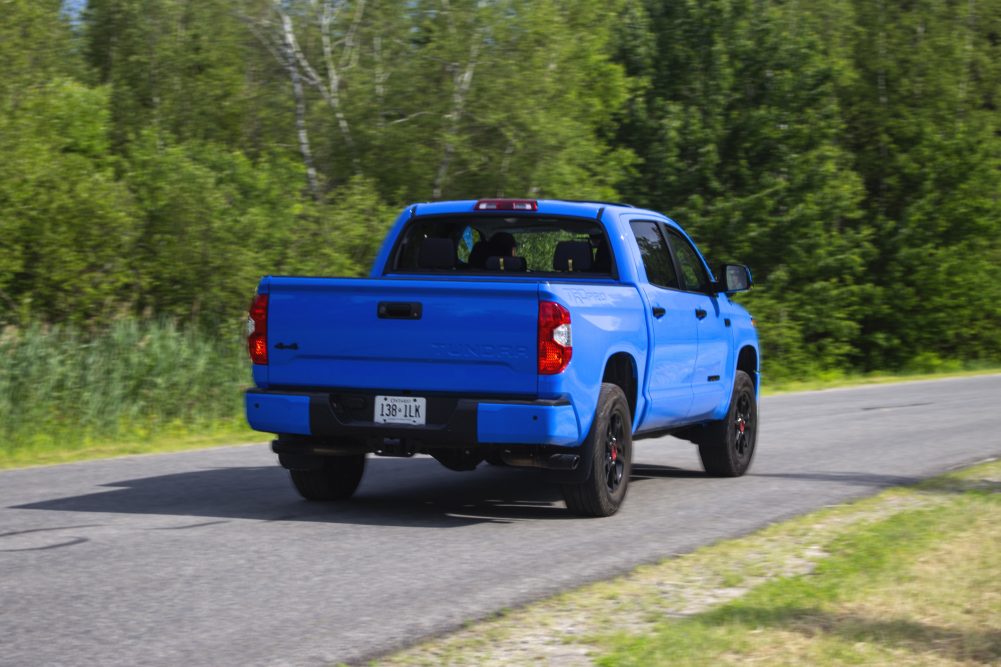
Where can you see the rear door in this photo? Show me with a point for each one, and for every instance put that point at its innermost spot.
(674, 336)
(470, 337)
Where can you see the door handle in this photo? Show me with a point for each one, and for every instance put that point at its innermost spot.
(700, 313)
(390, 310)
(659, 312)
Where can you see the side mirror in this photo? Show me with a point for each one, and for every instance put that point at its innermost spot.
(734, 278)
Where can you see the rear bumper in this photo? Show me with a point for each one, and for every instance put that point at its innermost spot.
(452, 421)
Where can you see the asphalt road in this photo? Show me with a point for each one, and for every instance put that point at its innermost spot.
(210, 558)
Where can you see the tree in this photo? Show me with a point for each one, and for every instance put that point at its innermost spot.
(738, 135)
(188, 67)
(65, 221)
(924, 127)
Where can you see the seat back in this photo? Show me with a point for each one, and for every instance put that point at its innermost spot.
(572, 256)
(602, 258)
(436, 254)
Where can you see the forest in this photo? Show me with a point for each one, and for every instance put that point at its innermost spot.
(158, 156)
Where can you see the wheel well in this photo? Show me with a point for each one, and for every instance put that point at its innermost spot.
(747, 361)
(621, 370)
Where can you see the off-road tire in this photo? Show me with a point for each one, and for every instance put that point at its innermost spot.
(610, 443)
(727, 446)
(336, 479)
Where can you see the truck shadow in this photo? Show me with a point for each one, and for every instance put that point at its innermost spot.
(643, 471)
(414, 493)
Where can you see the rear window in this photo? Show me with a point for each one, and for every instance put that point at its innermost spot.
(493, 244)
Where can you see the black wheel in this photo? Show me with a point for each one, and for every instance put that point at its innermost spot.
(336, 479)
(611, 443)
(727, 446)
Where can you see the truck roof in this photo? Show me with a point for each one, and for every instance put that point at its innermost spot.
(582, 209)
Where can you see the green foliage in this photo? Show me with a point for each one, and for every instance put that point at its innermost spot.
(926, 134)
(544, 94)
(64, 388)
(207, 213)
(849, 609)
(65, 220)
(180, 66)
(469, 98)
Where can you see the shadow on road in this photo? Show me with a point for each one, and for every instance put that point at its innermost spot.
(416, 492)
(938, 485)
(859, 478)
(642, 471)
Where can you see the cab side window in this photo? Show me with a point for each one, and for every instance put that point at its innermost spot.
(693, 273)
(656, 257)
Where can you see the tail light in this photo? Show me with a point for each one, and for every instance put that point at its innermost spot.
(257, 329)
(555, 340)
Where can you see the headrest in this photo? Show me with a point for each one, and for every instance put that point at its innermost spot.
(502, 244)
(478, 255)
(572, 256)
(436, 254)
(506, 264)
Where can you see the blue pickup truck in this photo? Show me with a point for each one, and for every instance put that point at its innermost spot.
(532, 333)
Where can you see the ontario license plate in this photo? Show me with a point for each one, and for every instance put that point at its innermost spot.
(400, 410)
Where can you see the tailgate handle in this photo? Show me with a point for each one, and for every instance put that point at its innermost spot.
(400, 310)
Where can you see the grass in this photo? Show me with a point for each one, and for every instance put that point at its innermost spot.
(836, 380)
(908, 577)
(142, 386)
(920, 587)
(172, 440)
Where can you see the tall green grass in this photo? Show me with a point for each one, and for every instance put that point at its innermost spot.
(65, 389)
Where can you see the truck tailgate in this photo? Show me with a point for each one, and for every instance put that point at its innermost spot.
(473, 337)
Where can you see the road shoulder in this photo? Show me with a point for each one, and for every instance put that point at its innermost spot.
(905, 577)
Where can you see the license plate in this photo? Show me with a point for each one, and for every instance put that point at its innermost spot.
(400, 410)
